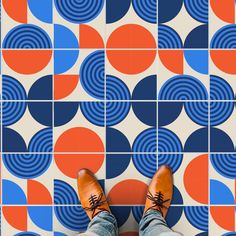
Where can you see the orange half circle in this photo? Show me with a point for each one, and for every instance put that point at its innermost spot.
(79, 139)
(131, 36)
(27, 61)
(193, 177)
(131, 61)
(128, 192)
(70, 164)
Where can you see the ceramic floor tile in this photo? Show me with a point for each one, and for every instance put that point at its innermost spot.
(193, 218)
(222, 83)
(187, 69)
(187, 177)
(121, 88)
(182, 26)
(27, 179)
(79, 75)
(128, 218)
(20, 87)
(79, 28)
(128, 188)
(69, 220)
(222, 220)
(116, 164)
(129, 124)
(16, 116)
(29, 22)
(222, 118)
(222, 179)
(138, 87)
(38, 219)
(82, 121)
(183, 127)
(221, 25)
(130, 19)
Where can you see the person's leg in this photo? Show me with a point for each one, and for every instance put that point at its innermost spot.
(103, 223)
(158, 200)
(94, 202)
(153, 224)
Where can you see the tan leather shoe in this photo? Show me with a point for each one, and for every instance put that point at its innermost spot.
(160, 191)
(91, 195)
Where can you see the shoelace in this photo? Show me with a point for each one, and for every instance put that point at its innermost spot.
(158, 201)
(95, 203)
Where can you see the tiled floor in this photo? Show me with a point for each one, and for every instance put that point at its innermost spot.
(119, 87)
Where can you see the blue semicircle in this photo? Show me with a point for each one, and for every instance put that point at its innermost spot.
(64, 37)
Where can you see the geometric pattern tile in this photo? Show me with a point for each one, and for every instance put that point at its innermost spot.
(119, 87)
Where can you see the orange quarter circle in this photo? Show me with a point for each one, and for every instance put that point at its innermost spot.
(16, 9)
(225, 60)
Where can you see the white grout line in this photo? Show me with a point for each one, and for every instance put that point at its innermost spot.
(157, 89)
(209, 126)
(53, 102)
(79, 205)
(131, 101)
(1, 146)
(118, 49)
(105, 105)
(115, 153)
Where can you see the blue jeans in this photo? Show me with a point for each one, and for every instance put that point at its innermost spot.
(152, 224)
